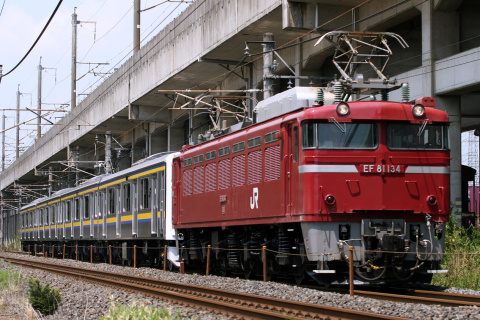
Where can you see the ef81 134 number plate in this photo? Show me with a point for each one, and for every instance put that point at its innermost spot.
(381, 168)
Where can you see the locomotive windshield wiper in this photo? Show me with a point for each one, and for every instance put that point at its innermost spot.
(343, 128)
(422, 127)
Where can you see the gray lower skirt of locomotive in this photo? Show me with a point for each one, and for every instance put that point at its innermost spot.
(326, 242)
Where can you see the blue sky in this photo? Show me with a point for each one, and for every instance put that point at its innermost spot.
(109, 40)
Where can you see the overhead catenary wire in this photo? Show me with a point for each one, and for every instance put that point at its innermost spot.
(3, 5)
(36, 41)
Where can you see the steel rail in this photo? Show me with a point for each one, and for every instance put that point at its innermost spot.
(231, 303)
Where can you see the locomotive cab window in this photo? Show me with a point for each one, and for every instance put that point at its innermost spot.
(335, 135)
(417, 136)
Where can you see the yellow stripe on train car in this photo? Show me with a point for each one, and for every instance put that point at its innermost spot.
(126, 218)
(144, 173)
(87, 191)
(143, 216)
(112, 183)
(69, 197)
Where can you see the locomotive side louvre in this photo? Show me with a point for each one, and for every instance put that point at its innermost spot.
(238, 178)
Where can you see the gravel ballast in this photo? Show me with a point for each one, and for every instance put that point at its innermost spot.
(83, 300)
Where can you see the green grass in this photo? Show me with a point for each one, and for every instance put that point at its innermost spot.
(139, 311)
(9, 279)
(462, 258)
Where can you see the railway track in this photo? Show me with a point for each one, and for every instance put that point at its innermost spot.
(423, 296)
(231, 304)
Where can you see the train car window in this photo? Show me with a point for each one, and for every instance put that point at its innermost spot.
(41, 217)
(417, 136)
(52, 215)
(126, 197)
(69, 211)
(225, 151)
(145, 194)
(111, 201)
(330, 135)
(86, 202)
(47, 215)
(77, 210)
(254, 142)
(237, 147)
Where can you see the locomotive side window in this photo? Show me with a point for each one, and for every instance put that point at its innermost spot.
(225, 151)
(254, 142)
(237, 147)
(211, 155)
(271, 137)
(69, 211)
(417, 136)
(335, 135)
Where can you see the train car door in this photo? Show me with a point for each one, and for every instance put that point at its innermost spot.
(97, 226)
(75, 218)
(291, 167)
(68, 219)
(161, 203)
(154, 205)
(82, 214)
(103, 212)
(117, 209)
(60, 226)
(135, 206)
(64, 220)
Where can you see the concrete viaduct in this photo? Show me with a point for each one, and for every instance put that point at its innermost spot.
(204, 48)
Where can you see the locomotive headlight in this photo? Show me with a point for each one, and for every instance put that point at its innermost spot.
(343, 108)
(432, 200)
(418, 110)
(329, 199)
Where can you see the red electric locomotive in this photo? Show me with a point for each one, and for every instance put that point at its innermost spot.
(310, 183)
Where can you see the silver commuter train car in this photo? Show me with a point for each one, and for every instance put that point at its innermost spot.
(127, 208)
